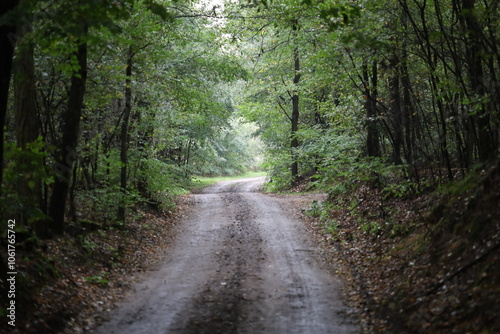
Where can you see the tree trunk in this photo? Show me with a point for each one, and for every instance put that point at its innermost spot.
(295, 110)
(411, 125)
(124, 136)
(144, 138)
(188, 157)
(66, 152)
(474, 52)
(372, 139)
(396, 111)
(72, 188)
(26, 124)
(25, 108)
(7, 44)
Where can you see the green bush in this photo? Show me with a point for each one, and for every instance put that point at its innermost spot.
(277, 166)
(163, 181)
(23, 175)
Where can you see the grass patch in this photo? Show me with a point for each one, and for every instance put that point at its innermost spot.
(201, 182)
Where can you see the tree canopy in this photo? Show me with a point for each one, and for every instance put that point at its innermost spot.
(133, 98)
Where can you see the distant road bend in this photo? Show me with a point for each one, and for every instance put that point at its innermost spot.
(240, 264)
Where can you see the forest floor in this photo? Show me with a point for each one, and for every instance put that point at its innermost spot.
(429, 263)
(421, 264)
(71, 280)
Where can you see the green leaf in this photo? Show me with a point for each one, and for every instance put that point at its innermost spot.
(159, 10)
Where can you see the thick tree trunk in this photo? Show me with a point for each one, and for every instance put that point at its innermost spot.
(6, 53)
(7, 41)
(124, 136)
(475, 52)
(66, 152)
(25, 96)
(26, 122)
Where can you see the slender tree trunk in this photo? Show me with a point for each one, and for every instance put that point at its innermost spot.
(295, 118)
(295, 110)
(7, 44)
(95, 162)
(144, 139)
(372, 139)
(188, 157)
(443, 135)
(66, 152)
(396, 110)
(410, 123)
(124, 136)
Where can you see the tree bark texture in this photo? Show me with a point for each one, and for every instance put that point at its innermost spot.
(295, 110)
(66, 152)
(124, 136)
(372, 136)
(7, 45)
(475, 52)
(26, 122)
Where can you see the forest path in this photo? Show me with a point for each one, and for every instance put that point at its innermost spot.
(240, 264)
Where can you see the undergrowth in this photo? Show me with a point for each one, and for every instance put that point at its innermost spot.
(422, 262)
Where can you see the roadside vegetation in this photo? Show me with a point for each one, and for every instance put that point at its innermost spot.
(422, 263)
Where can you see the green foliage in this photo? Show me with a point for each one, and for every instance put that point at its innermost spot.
(101, 204)
(371, 227)
(163, 181)
(159, 10)
(193, 78)
(459, 188)
(277, 165)
(315, 209)
(339, 164)
(98, 279)
(322, 211)
(27, 164)
(183, 130)
(331, 227)
(88, 245)
(24, 168)
(337, 15)
(401, 188)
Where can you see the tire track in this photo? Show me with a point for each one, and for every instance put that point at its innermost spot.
(218, 309)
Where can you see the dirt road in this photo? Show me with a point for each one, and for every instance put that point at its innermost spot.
(241, 264)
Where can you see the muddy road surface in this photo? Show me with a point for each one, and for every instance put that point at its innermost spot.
(241, 264)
